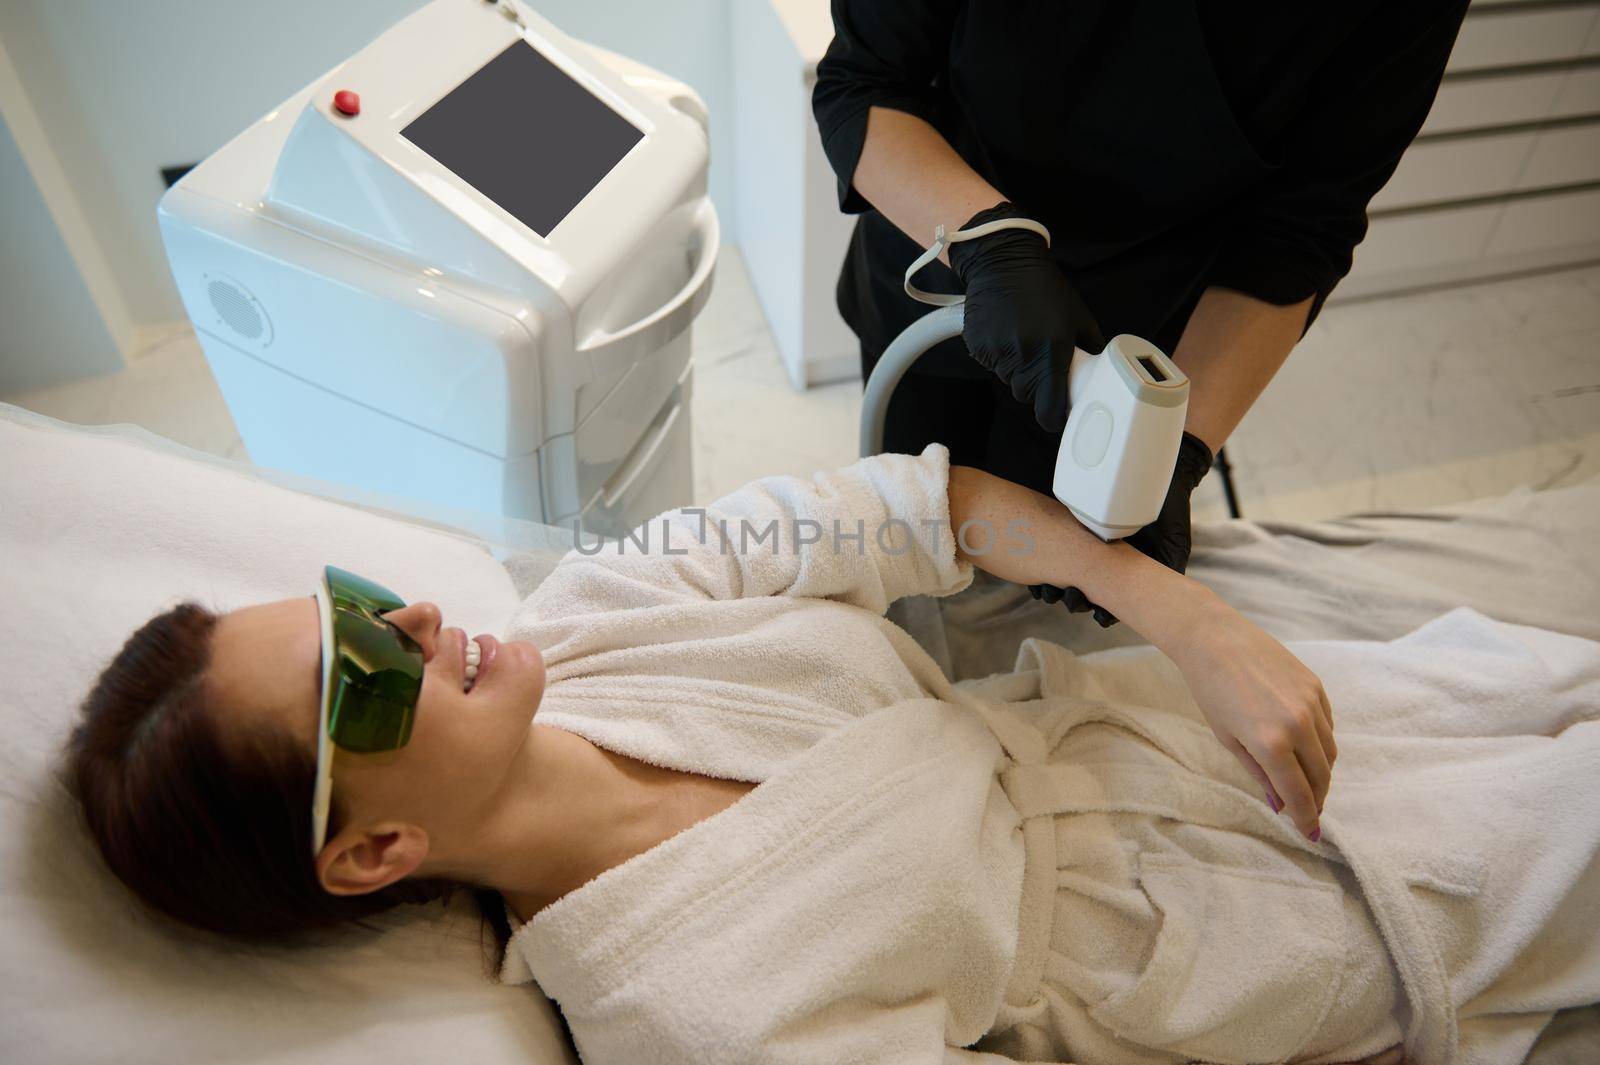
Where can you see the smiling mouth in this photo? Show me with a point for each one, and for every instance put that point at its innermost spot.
(473, 662)
(478, 652)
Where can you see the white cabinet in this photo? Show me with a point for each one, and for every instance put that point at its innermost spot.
(791, 231)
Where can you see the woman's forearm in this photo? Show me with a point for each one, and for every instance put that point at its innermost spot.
(1262, 703)
(1231, 348)
(1026, 537)
(909, 172)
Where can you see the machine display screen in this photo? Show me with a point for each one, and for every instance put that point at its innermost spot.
(525, 135)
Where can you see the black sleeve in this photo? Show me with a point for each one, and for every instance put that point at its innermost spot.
(884, 52)
(1294, 237)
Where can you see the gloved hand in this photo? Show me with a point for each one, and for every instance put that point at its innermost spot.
(1023, 317)
(1166, 539)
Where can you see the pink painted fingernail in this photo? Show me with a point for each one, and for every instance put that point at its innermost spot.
(1316, 834)
(1273, 802)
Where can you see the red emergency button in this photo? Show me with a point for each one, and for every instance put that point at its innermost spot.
(346, 102)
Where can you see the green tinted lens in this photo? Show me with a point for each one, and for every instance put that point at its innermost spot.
(358, 593)
(378, 677)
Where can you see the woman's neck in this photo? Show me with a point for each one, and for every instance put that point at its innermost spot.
(569, 811)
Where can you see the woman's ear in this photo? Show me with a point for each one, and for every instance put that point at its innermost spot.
(356, 861)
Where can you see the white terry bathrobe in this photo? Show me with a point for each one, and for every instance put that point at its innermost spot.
(1057, 864)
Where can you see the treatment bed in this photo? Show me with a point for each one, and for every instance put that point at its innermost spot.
(100, 528)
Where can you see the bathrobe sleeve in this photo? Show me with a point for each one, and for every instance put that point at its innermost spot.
(868, 1033)
(860, 1031)
(867, 534)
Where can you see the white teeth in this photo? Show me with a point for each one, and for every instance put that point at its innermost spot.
(474, 657)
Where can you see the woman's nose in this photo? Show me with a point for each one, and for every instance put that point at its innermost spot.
(421, 622)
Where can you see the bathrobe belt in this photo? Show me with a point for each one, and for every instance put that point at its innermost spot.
(1040, 790)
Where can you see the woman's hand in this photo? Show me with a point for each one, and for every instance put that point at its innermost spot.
(1260, 700)
(1266, 707)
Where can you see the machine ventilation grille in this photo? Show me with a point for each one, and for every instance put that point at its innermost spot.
(237, 310)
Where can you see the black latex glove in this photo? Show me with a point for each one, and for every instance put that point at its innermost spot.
(1166, 539)
(1023, 317)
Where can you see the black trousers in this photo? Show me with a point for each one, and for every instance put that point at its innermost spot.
(977, 419)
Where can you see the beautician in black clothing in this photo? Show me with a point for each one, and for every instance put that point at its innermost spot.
(1203, 169)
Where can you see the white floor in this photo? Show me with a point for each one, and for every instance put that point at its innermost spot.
(1387, 404)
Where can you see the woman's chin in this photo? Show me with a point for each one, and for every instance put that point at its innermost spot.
(528, 669)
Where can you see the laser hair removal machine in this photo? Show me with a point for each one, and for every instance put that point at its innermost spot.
(1123, 431)
(461, 267)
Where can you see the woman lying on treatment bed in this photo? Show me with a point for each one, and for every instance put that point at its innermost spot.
(737, 815)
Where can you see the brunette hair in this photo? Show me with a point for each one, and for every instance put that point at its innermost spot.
(214, 834)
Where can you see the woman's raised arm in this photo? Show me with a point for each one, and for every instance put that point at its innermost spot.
(1263, 703)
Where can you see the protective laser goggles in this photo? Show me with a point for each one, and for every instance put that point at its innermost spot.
(371, 680)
